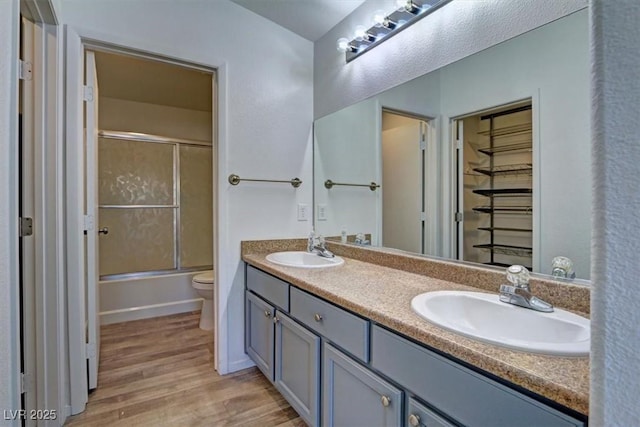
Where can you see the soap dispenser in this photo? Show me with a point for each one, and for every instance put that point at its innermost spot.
(343, 235)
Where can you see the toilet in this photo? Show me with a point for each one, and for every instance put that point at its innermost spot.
(203, 284)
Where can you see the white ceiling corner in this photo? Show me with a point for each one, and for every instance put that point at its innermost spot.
(310, 19)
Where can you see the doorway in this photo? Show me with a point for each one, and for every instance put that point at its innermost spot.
(495, 186)
(147, 180)
(404, 181)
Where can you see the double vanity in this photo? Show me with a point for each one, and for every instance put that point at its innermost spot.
(344, 346)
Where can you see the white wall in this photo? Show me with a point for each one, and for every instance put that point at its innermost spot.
(9, 350)
(131, 116)
(455, 31)
(615, 317)
(266, 90)
(346, 151)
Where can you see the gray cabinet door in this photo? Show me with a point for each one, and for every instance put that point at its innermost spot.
(259, 333)
(355, 396)
(297, 373)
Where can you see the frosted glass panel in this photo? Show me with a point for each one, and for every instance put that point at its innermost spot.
(140, 239)
(196, 211)
(135, 173)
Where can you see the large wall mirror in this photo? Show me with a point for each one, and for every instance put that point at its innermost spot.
(486, 160)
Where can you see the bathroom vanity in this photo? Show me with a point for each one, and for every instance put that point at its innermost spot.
(343, 347)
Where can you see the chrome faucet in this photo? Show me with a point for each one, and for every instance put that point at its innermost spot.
(562, 268)
(316, 244)
(519, 293)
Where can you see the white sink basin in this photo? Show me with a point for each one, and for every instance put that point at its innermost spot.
(485, 318)
(303, 259)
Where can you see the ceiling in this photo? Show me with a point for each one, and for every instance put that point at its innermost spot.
(153, 82)
(310, 19)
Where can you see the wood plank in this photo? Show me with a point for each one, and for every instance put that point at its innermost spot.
(159, 372)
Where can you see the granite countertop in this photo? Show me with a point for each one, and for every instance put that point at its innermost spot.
(384, 295)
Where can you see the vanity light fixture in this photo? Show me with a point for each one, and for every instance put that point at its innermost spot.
(385, 25)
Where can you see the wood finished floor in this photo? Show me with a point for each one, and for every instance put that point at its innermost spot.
(159, 372)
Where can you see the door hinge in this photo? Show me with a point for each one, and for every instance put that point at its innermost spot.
(423, 216)
(25, 70)
(26, 383)
(26, 226)
(87, 93)
(423, 143)
(88, 222)
(91, 351)
(458, 216)
(458, 144)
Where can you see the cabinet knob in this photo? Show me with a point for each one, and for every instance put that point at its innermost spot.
(275, 319)
(386, 401)
(267, 313)
(414, 420)
(318, 317)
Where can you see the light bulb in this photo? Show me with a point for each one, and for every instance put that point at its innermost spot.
(401, 4)
(360, 33)
(379, 16)
(343, 45)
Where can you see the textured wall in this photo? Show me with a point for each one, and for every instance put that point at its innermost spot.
(615, 300)
(266, 124)
(455, 31)
(9, 399)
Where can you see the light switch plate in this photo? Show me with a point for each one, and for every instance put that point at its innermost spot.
(321, 212)
(303, 212)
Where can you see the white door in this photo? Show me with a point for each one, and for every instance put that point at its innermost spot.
(402, 187)
(91, 205)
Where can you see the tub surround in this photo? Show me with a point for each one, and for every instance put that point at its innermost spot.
(379, 284)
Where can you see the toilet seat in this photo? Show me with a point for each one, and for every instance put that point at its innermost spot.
(203, 280)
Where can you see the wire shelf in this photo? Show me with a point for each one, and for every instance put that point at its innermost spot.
(520, 251)
(516, 169)
(508, 130)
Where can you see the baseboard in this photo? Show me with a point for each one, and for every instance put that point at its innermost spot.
(148, 311)
(241, 364)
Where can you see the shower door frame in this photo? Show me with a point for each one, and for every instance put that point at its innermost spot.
(176, 143)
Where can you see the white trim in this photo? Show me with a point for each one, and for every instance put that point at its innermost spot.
(9, 266)
(536, 200)
(148, 311)
(223, 278)
(64, 397)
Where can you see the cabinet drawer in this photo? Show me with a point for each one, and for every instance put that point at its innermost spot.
(419, 415)
(344, 329)
(461, 393)
(268, 287)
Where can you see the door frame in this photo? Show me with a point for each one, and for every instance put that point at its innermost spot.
(77, 42)
(452, 187)
(42, 263)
